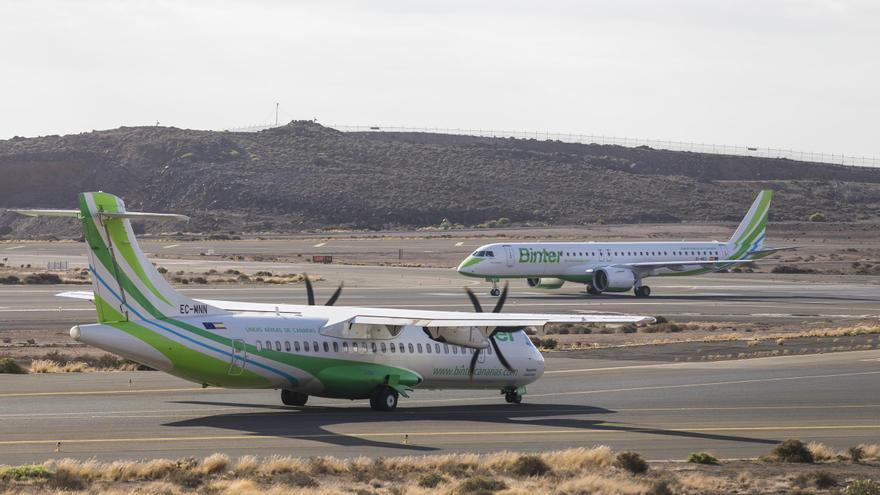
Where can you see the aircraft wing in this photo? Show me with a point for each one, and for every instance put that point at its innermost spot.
(399, 317)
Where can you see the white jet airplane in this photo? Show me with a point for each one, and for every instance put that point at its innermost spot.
(619, 266)
(326, 351)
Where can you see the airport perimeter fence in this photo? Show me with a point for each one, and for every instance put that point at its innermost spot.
(717, 149)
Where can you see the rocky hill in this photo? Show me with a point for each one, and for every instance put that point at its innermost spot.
(303, 175)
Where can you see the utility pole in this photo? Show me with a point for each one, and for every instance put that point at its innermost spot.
(276, 114)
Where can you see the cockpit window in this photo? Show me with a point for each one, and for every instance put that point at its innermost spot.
(490, 254)
(483, 254)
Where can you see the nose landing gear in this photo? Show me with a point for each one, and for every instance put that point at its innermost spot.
(291, 398)
(513, 395)
(495, 291)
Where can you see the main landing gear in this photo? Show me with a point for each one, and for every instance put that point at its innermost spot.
(512, 395)
(642, 291)
(592, 290)
(383, 399)
(291, 398)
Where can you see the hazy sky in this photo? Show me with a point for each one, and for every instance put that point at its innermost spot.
(792, 74)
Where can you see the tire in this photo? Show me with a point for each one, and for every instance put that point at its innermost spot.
(513, 398)
(291, 398)
(495, 292)
(592, 290)
(646, 291)
(384, 399)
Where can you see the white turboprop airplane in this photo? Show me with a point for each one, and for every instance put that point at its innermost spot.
(326, 351)
(619, 266)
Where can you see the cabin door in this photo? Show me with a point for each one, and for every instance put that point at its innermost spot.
(239, 357)
(508, 251)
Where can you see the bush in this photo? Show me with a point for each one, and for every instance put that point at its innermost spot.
(632, 462)
(530, 465)
(824, 480)
(199, 280)
(818, 217)
(628, 328)
(660, 487)
(8, 365)
(862, 487)
(480, 484)
(296, 478)
(660, 319)
(42, 279)
(431, 480)
(792, 450)
(856, 454)
(10, 280)
(702, 458)
(24, 473)
(791, 269)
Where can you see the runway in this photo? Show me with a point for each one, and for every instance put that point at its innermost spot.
(734, 409)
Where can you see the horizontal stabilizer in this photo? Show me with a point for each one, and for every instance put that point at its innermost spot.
(131, 215)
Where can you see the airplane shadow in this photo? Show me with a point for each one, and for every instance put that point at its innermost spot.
(312, 423)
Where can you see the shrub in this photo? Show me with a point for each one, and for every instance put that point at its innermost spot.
(162, 270)
(549, 343)
(431, 480)
(480, 484)
(530, 465)
(10, 280)
(296, 478)
(792, 450)
(628, 328)
(632, 462)
(856, 454)
(702, 458)
(824, 480)
(862, 487)
(8, 365)
(199, 280)
(818, 217)
(660, 487)
(24, 473)
(42, 279)
(44, 366)
(660, 319)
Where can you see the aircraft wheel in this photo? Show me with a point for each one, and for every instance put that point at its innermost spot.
(495, 292)
(291, 398)
(643, 291)
(592, 290)
(513, 397)
(383, 399)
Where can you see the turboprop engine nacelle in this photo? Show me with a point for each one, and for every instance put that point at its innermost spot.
(463, 336)
(613, 279)
(545, 283)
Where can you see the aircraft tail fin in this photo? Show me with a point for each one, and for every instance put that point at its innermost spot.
(749, 236)
(126, 284)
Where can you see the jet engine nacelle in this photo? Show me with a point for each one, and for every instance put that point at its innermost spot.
(545, 283)
(613, 279)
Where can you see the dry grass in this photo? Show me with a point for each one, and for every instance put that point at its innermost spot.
(44, 366)
(572, 471)
(822, 453)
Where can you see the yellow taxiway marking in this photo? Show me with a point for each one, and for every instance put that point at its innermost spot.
(103, 392)
(570, 431)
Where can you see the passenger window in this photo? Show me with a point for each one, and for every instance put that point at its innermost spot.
(420, 348)
(401, 348)
(326, 347)
(427, 348)
(384, 349)
(354, 347)
(287, 345)
(296, 346)
(437, 348)
(345, 347)
(315, 346)
(373, 347)
(455, 349)
(411, 350)
(306, 346)
(268, 345)
(393, 348)
(278, 345)
(259, 346)
(335, 347)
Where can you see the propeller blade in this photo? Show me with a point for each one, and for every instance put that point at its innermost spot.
(473, 364)
(498, 353)
(476, 302)
(310, 291)
(501, 299)
(335, 296)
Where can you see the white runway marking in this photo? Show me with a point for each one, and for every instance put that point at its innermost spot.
(320, 244)
(171, 246)
(459, 243)
(14, 247)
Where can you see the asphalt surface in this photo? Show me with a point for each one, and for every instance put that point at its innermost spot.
(734, 409)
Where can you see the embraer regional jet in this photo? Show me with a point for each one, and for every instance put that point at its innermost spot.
(619, 266)
(326, 351)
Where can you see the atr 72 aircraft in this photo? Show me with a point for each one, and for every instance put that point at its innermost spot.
(326, 351)
(619, 266)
